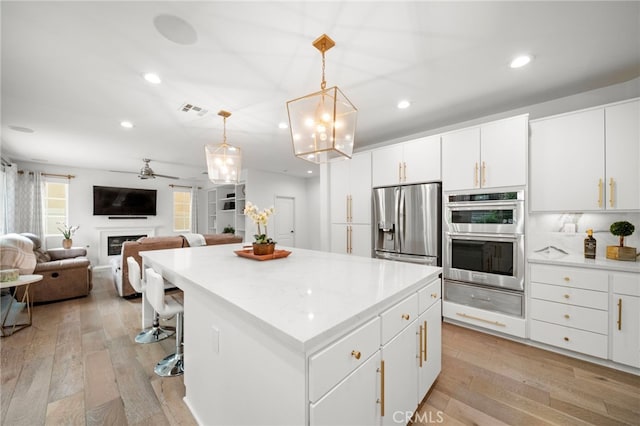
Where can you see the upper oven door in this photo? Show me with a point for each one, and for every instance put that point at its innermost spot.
(488, 259)
(506, 217)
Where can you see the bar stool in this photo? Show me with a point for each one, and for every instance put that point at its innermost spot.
(155, 333)
(173, 365)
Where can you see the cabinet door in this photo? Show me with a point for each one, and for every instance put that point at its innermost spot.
(460, 160)
(400, 376)
(360, 188)
(421, 160)
(339, 190)
(352, 401)
(339, 238)
(623, 156)
(503, 152)
(566, 161)
(361, 240)
(431, 323)
(387, 165)
(625, 318)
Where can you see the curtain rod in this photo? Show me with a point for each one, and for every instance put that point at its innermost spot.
(183, 186)
(21, 172)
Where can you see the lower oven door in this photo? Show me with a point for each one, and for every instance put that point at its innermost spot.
(495, 260)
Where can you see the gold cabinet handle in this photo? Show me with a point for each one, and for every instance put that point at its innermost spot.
(480, 319)
(567, 279)
(404, 172)
(566, 296)
(350, 208)
(434, 295)
(406, 316)
(425, 341)
(566, 339)
(599, 192)
(475, 175)
(356, 354)
(350, 239)
(567, 316)
(619, 314)
(484, 174)
(611, 197)
(421, 345)
(381, 400)
(399, 172)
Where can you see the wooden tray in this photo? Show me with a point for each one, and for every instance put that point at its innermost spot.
(248, 253)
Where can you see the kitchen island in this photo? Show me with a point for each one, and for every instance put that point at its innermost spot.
(314, 338)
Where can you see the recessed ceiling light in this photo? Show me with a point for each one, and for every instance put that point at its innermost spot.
(283, 125)
(520, 61)
(404, 104)
(126, 124)
(309, 171)
(152, 78)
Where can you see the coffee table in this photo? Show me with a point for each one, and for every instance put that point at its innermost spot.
(14, 317)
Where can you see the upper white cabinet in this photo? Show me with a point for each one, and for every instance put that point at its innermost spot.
(409, 162)
(487, 156)
(587, 160)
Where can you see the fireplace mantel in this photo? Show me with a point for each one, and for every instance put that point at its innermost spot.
(115, 231)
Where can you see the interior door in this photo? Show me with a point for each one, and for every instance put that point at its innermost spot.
(285, 231)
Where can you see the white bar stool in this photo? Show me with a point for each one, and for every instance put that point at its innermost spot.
(155, 333)
(173, 365)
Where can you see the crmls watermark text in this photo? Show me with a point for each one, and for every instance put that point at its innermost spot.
(425, 417)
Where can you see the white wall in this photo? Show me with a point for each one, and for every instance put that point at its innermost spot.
(313, 213)
(262, 189)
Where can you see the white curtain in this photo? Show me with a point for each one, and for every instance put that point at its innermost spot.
(194, 209)
(23, 201)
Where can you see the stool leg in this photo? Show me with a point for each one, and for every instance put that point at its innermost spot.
(173, 365)
(155, 333)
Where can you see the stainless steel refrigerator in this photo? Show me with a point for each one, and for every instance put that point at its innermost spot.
(407, 223)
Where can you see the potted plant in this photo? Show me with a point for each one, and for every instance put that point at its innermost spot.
(67, 233)
(620, 252)
(228, 230)
(263, 244)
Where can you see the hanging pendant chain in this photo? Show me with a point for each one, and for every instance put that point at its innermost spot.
(224, 130)
(323, 85)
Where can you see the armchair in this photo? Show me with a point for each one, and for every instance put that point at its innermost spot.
(66, 273)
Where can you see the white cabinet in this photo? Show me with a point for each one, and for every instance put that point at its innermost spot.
(587, 160)
(625, 319)
(487, 156)
(430, 353)
(408, 162)
(350, 205)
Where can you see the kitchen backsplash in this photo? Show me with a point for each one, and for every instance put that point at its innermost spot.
(547, 229)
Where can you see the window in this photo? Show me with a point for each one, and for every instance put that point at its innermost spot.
(56, 195)
(181, 211)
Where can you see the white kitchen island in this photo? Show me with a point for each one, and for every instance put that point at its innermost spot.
(314, 338)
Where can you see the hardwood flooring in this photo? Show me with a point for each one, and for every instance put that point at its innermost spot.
(78, 365)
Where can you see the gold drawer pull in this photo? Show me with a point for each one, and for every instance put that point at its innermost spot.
(566, 316)
(434, 295)
(566, 296)
(406, 316)
(356, 354)
(566, 339)
(619, 314)
(567, 279)
(381, 399)
(480, 319)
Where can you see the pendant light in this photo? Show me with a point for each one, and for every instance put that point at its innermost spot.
(323, 123)
(223, 161)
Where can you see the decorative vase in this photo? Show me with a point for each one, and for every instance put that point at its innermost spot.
(260, 249)
(66, 243)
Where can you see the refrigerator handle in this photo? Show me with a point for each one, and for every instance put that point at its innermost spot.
(400, 207)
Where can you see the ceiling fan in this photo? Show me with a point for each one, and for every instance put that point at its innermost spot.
(146, 172)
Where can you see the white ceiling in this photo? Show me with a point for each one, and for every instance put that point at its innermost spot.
(72, 71)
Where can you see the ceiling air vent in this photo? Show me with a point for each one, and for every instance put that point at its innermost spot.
(194, 109)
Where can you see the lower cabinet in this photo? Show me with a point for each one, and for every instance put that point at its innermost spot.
(384, 387)
(625, 319)
(351, 239)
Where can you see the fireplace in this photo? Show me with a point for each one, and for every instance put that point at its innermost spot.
(114, 243)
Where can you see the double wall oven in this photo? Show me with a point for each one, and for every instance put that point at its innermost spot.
(484, 251)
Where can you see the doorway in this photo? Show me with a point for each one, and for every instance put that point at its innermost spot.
(285, 232)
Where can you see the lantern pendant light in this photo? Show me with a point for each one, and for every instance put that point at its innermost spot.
(323, 123)
(223, 161)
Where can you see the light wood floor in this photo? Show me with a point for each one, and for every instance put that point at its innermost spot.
(78, 364)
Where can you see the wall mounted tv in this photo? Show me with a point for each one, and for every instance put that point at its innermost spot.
(112, 201)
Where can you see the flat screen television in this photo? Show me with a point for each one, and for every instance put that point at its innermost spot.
(113, 201)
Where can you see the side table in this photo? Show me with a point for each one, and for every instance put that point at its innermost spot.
(13, 313)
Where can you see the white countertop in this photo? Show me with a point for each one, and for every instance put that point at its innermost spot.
(306, 297)
(557, 258)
